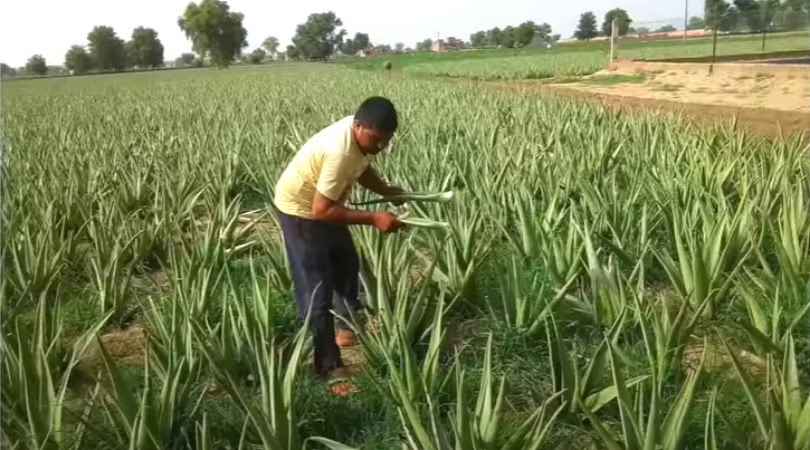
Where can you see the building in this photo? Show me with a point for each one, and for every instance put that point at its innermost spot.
(438, 45)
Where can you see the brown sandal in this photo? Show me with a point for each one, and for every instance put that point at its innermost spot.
(343, 388)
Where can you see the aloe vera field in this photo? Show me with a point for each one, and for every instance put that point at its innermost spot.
(605, 280)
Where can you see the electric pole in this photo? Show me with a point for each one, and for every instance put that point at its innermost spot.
(685, 18)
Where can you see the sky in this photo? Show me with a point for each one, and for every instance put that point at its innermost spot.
(49, 28)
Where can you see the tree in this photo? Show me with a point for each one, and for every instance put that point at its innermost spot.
(524, 33)
(106, 48)
(257, 56)
(623, 21)
(730, 21)
(758, 14)
(399, 47)
(186, 59)
(507, 37)
(361, 41)
(714, 13)
(587, 27)
(795, 14)
(347, 47)
(478, 39)
(666, 29)
(696, 23)
(36, 65)
(292, 52)
(543, 30)
(145, 49)
(7, 71)
(319, 36)
(214, 30)
(78, 60)
(494, 36)
(270, 45)
(424, 46)
(642, 30)
(749, 11)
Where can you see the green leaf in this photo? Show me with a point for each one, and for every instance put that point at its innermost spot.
(333, 445)
(673, 430)
(629, 426)
(756, 405)
(599, 399)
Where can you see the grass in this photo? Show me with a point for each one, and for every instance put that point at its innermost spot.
(581, 58)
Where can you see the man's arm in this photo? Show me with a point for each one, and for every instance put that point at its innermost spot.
(372, 181)
(327, 210)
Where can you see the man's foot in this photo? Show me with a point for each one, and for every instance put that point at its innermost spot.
(343, 389)
(340, 383)
(345, 338)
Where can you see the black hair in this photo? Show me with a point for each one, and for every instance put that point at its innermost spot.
(377, 113)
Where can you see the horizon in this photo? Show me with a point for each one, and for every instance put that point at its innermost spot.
(406, 23)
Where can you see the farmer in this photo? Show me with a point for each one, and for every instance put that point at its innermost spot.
(311, 200)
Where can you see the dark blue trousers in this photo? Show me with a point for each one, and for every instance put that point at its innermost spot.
(324, 265)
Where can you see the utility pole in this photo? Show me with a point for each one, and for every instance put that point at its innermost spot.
(613, 32)
(685, 18)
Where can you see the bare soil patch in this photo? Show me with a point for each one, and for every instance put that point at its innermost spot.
(757, 120)
(765, 99)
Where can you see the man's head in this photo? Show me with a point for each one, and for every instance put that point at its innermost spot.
(374, 124)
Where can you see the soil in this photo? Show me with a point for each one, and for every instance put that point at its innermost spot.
(765, 99)
(752, 90)
(761, 121)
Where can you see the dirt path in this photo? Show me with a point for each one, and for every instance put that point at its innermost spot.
(750, 89)
(766, 99)
(760, 121)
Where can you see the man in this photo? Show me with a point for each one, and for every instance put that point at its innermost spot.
(310, 197)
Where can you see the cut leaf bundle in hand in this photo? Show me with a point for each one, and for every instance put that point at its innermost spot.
(441, 197)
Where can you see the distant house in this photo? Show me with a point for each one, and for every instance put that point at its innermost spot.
(360, 53)
(438, 46)
(451, 44)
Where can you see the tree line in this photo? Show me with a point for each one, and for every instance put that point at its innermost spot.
(514, 37)
(757, 16)
(218, 36)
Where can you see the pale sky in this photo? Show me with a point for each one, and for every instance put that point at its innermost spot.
(28, 27)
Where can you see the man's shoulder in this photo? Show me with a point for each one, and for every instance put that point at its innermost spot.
(336, 138)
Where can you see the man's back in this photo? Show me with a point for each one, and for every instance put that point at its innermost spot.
(329, 162)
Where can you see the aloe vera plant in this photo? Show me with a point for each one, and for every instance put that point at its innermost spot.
(270, 417)
(35, 386)
(646, 422)
(582, 388)
(524, 305)
(782, 414)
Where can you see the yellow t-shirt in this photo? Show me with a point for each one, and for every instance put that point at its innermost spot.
(329, 162)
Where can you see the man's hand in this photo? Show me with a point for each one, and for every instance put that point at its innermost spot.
(386, 222)
(373, 182)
